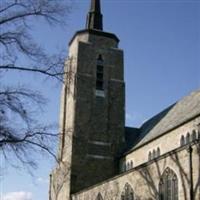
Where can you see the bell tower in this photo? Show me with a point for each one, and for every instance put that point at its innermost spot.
(92, 109)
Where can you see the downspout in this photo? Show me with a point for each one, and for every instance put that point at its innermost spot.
(64, 122)
(66, 82)
(191, 172)
(50, 185)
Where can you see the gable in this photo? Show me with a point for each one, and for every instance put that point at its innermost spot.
(175, 115)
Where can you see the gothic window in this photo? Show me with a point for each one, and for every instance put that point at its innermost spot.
(149, 156)
(127, 193)
(187, 138)
(128, 166)
(182, 142)
(194, 135)
(99, 197)
(131, 164)
(154, 153)
(99, 74)
(168, 186)
(158, 151)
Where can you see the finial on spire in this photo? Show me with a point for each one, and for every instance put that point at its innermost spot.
(95, 18)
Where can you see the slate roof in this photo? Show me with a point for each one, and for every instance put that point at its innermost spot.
(170, 118)
(131, 135)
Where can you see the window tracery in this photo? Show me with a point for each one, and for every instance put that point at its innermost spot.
(127, 193)
(168, 186)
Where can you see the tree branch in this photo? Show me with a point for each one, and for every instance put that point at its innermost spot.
(41, 71)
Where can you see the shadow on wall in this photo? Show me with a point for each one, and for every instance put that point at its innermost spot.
(168, 184)
(158, 192)
(157, 189)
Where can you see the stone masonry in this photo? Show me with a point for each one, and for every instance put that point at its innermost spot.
(100, 158)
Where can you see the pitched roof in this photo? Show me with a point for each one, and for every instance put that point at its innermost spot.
(170, 118)
(131, 135)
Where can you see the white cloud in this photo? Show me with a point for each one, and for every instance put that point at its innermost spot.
(42, 180)
(21, 195)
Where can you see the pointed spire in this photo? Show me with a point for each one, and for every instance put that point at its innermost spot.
(95, 18)
(95, 6)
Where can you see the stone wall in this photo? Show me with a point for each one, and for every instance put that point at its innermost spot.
(99, 120)
(144, 179)
(92, 125)
(168, 142)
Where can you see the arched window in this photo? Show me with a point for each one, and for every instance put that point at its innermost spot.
(128, 166)
(127, 193)
(158, 151)
(154, 154)
(99, 197)
(194, 135)
(99, 74)
(187, 138)
(182, 142)
(150, 157)
(131, 164)
(168, 186)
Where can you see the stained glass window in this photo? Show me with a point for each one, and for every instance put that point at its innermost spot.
(127, 193)
(168, 186)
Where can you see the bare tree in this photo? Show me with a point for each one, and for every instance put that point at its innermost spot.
(21, 135)
(15, 36)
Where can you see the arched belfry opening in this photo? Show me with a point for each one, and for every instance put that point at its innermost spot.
(100, 73)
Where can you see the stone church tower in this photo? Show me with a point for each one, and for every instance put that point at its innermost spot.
(92, 109)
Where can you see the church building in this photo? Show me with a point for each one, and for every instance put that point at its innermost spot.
(102, 159)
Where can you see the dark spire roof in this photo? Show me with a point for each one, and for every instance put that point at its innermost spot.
(94, 17)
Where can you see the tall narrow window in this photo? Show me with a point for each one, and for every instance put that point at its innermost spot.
(187, 138)
(131, 164)
(182, 142)
(194, 135)
(154, 154)
(99, 74)
(127, 193)
(128, 166)
(158, 152)
(99, 197)
(168, 186)
(150, 157)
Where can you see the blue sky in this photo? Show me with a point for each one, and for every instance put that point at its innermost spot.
(161, 43)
